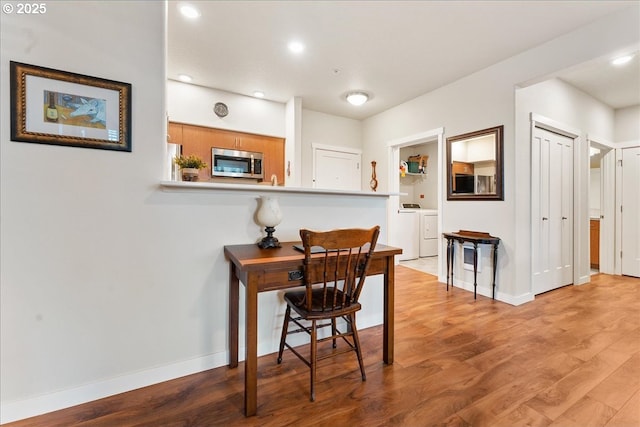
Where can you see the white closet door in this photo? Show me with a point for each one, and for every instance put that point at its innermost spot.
(552, 210)
(337, 170)
(540, 209)
(566, 213)
(630, 265)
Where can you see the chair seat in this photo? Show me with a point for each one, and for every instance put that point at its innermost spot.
(296, 299)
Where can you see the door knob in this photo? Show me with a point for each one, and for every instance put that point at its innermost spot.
(544, 218)
(564, 217)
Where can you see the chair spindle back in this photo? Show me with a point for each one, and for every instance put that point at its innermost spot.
(341, 267)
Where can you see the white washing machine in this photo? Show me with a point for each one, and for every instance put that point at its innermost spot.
(408, 233)
(428, 232)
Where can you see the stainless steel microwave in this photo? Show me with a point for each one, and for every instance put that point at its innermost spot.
(236, 164)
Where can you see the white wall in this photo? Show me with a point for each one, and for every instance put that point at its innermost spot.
(109, 282)
(460, 108)
(627, 124)
(293, 146)
(564, 103)
(327, 129)
(487, 99)
(187, 103)
(82, 286)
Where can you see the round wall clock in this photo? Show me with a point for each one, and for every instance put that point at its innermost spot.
(220, 109)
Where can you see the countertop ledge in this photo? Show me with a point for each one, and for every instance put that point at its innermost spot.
(204, 186)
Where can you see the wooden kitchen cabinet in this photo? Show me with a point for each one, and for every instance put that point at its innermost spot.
(594, 239)
(462, 168)
(274, 159)
(174, 133)
(200, 140)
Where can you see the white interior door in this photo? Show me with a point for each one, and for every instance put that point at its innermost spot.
(630, 264)
(336, 170)
(540, 210)
(565, 267)
(552, 210)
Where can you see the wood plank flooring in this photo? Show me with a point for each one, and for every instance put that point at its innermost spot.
(570, 358)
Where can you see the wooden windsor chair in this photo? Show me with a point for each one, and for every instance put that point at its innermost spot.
(335, 267)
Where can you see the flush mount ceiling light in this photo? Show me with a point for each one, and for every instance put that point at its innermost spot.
(622, 60)
(184, 78)
(296, 47)
(189, 11)
(357, 98)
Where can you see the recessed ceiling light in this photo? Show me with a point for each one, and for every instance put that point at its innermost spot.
(258, 94)
(189, 11)
(184, 78)
(296, 47)
(357, 98)
(622, 60)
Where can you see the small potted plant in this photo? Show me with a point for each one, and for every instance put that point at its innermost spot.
(190, 166)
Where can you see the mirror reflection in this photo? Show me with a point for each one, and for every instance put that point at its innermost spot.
(474, 165)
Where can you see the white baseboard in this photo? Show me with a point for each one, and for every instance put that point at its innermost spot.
(500, 296)
(584, 279)
(18, 410)
(516, 300)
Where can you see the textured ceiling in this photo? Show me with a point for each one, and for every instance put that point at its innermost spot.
(395, 50)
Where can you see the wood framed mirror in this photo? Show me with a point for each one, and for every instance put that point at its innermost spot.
(474, 165)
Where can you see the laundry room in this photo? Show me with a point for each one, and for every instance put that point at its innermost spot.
(418, 225)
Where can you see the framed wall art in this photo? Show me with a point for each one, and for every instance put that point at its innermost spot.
(56, 107)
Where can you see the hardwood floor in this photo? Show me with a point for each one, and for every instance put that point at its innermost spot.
(570, 358)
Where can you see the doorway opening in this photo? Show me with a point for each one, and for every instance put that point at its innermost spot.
(415, 222)
(602, 199)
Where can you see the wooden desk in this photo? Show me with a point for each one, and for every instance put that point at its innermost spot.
(475, 237)
(262, 270)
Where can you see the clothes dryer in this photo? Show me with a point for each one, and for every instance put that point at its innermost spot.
(428, 232)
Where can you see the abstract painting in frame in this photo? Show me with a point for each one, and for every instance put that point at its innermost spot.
(56, 107)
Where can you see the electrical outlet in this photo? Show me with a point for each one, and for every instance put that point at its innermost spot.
(422, 196)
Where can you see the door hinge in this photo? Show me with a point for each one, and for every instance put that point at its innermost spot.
(620, 162)
(620, 254)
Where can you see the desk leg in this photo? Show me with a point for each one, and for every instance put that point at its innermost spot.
(251, 356)
(234, 301)
(389, 304)
(475, 269)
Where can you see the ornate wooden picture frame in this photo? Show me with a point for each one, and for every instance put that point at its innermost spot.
(56, 107)
(474, 165)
